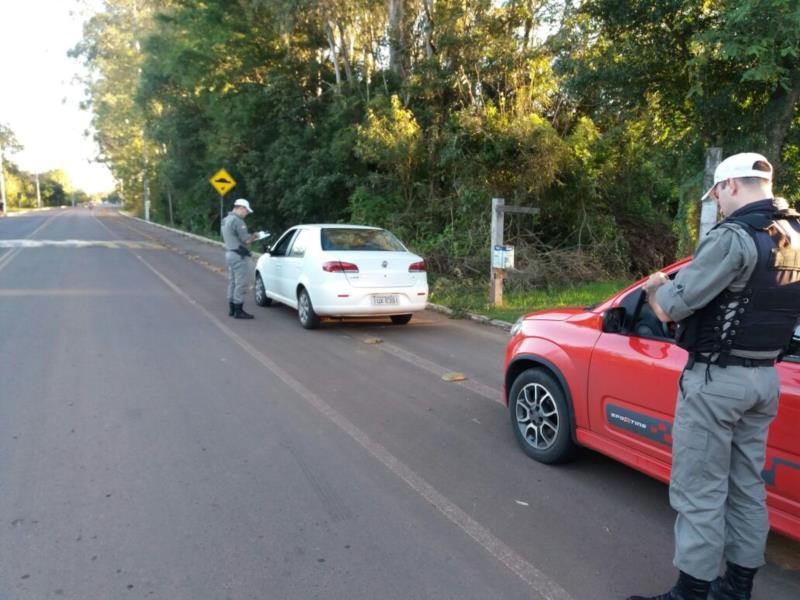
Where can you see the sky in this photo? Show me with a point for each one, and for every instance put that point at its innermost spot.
(39, 97)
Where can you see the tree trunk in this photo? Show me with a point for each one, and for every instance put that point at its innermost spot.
(780, 113)
(334, 54)
(428, 8)
(397, 45)
(169, 200)
(345, 58)
(367, 71)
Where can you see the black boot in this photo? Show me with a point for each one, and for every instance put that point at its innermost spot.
(231, 309)
(687, 588)
(239, 313)
(736, 584)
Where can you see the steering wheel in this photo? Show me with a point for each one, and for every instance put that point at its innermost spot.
(649, 325)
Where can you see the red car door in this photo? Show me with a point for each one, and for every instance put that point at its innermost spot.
(632, 388)
(782, 470)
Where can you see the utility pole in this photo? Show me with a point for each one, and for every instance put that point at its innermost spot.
(3, 184)
(146, 181)
(169, 201)
(38, 193)
(145, 178)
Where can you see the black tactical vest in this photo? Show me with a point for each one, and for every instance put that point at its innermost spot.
(762, 316)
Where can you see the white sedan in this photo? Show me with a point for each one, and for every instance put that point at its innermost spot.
(342, 271)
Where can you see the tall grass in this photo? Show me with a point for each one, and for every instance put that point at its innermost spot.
(474, 300)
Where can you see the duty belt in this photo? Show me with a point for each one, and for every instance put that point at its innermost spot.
(736, 361)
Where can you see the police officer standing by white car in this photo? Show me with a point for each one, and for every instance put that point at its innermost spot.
(736, 305)
(235, 237)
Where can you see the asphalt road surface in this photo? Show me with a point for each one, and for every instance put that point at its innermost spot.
(152, 447)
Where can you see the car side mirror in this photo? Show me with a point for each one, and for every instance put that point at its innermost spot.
(614, 320)
(265, 248)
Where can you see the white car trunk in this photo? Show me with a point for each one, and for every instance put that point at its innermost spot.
(378, 269)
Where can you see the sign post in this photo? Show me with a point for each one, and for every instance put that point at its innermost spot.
(502, 257)
(3, 205)
(496, 275)
(223, 183)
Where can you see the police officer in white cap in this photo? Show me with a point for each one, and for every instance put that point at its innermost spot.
(236, 238)
(736, 305)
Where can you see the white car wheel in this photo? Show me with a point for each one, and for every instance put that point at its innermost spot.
(305, 310)
(261, 293)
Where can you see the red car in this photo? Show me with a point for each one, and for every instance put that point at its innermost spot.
(606, 377)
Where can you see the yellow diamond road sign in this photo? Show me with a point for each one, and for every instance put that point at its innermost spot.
(222, 182)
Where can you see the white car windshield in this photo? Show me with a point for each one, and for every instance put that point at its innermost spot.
(360, 239)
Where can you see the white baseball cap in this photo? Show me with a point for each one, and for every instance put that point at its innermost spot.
(739, 165)
(244, 204)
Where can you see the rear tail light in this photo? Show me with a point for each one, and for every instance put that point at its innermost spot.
(417, 267)
(337, 266)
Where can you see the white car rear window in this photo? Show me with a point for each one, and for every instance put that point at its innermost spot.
(360, 239)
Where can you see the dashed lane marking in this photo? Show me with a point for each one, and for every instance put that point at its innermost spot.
(545, 587)
(73, 292)
(409, 357)
(9, 256)
(783, 551)
(117, 244)
(165, 244)
(441, 372)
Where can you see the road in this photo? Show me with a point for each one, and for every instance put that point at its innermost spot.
(152, 447)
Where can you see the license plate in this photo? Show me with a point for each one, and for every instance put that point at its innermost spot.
(384, 300)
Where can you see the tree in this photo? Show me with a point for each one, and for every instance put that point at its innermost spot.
(8, 145)
(413, 113)
(730, 70)
(111, 50)
(8, 141)
(756, 42)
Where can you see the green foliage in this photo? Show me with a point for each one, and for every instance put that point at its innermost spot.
(55, 188)
(473, 299)
(111, 49)
(350, 111)
(8, 141)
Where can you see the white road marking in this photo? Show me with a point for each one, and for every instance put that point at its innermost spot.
(75, 292)
(481, 389)
(547, 588)
(9, 256)
(440, 371)
(25, 243)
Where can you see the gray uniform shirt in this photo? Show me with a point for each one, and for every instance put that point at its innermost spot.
(234, 231)
(725, 259)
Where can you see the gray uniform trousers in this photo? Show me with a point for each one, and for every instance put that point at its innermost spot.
(238, 276)
(718, 453)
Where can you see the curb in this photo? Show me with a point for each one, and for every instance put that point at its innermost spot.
(193, 236)
(25, 211)
(430, 305)
(472, 317)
